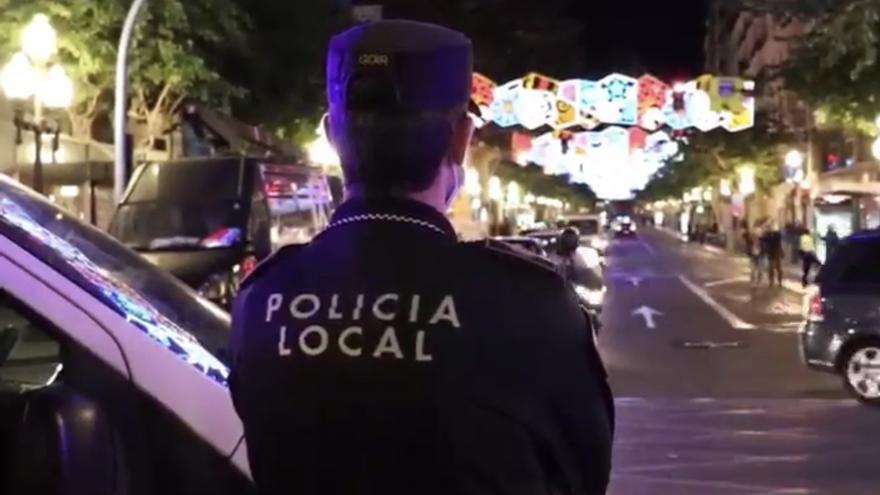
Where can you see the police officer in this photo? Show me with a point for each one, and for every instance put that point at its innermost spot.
(386, 357)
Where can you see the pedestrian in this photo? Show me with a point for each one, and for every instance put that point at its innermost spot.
(386, 356)
(755, 255)
(832, 241)
(807, 249)
(771, 246)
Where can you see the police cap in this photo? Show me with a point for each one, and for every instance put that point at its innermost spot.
(398, 67)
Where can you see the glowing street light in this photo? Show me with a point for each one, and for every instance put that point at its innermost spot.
(472, 181)
(30, 75)
(725, 189)
(747, 180)
(39, 39)
(320, 150)
(513, 194)
(496, 193)
(875, 149)
(794, 159)
(18, 77)
(56, 90)
(707, 194)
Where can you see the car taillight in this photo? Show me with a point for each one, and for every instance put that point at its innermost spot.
(815, 309)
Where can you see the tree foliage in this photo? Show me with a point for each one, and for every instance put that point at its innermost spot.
(717, 155)
(283, 64)
(173, 53)
(533, 179)
(835, 69)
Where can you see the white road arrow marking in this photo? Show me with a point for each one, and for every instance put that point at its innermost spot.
(648, 314)
(636, 281)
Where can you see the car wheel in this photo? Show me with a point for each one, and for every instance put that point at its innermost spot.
(861, 372)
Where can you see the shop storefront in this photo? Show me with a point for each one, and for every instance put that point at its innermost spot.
(78, 175)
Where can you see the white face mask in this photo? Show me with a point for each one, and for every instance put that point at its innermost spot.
(456, 182)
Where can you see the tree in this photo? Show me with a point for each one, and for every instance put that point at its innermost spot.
(710, 157)
(835, 68)
(533, 179)
(283, 64)
(169, 56)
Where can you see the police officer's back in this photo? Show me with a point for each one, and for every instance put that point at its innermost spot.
(385, 357)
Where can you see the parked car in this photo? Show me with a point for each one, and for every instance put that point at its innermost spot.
(546, 238)
(841, 333)
(590, 229)
(623, 228)
(112, 376)
(209, 221)
(529, 244)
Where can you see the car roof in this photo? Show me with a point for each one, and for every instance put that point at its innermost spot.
(514, 239)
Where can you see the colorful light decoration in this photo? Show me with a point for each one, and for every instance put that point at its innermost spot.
(536, 100)
(617, 160)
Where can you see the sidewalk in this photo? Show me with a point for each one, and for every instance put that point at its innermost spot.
(791, 273)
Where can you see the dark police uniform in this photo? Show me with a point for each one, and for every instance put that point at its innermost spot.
(386, 357)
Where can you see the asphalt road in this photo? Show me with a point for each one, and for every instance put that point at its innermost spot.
(712, 396)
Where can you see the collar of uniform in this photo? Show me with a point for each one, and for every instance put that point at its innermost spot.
(387, 209)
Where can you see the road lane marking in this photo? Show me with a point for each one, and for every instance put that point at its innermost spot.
(648, 314)
(726, 281)
(648, 248)
(725, 313)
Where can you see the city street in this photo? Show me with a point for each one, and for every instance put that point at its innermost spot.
(712, 396)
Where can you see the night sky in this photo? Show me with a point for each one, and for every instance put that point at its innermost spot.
(662, 37)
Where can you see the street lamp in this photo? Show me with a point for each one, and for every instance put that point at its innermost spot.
(724, 188)
(30, 76)
(747, 180)
(495, 191)
(794, 159)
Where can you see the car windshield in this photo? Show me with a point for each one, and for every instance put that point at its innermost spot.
(585, 227)
(194, 204)
(151, 300)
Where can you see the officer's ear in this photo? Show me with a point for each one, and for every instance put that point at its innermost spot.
(462, 132)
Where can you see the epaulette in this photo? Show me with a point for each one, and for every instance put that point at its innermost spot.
(504, 249)
(270, 261)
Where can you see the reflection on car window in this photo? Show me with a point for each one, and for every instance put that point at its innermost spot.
(148, 298)
(29, 357)
(299, 203)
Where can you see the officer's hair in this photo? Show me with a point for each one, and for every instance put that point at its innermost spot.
(398, 153)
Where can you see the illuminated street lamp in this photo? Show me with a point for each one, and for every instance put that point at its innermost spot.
(513, 194)
(747, 180)
(794, 159)
(321, 152)
(496, 193)
(725, 189)
(875, 149)
(31, 76)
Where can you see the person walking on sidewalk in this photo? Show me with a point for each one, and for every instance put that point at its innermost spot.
(808, 256)
(771, 246)
(755, 254)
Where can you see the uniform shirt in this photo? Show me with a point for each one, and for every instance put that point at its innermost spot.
(386, 357)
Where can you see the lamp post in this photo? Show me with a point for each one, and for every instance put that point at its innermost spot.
(30, 75)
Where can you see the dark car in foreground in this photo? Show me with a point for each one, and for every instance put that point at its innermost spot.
(113, 377)
(841, 333)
